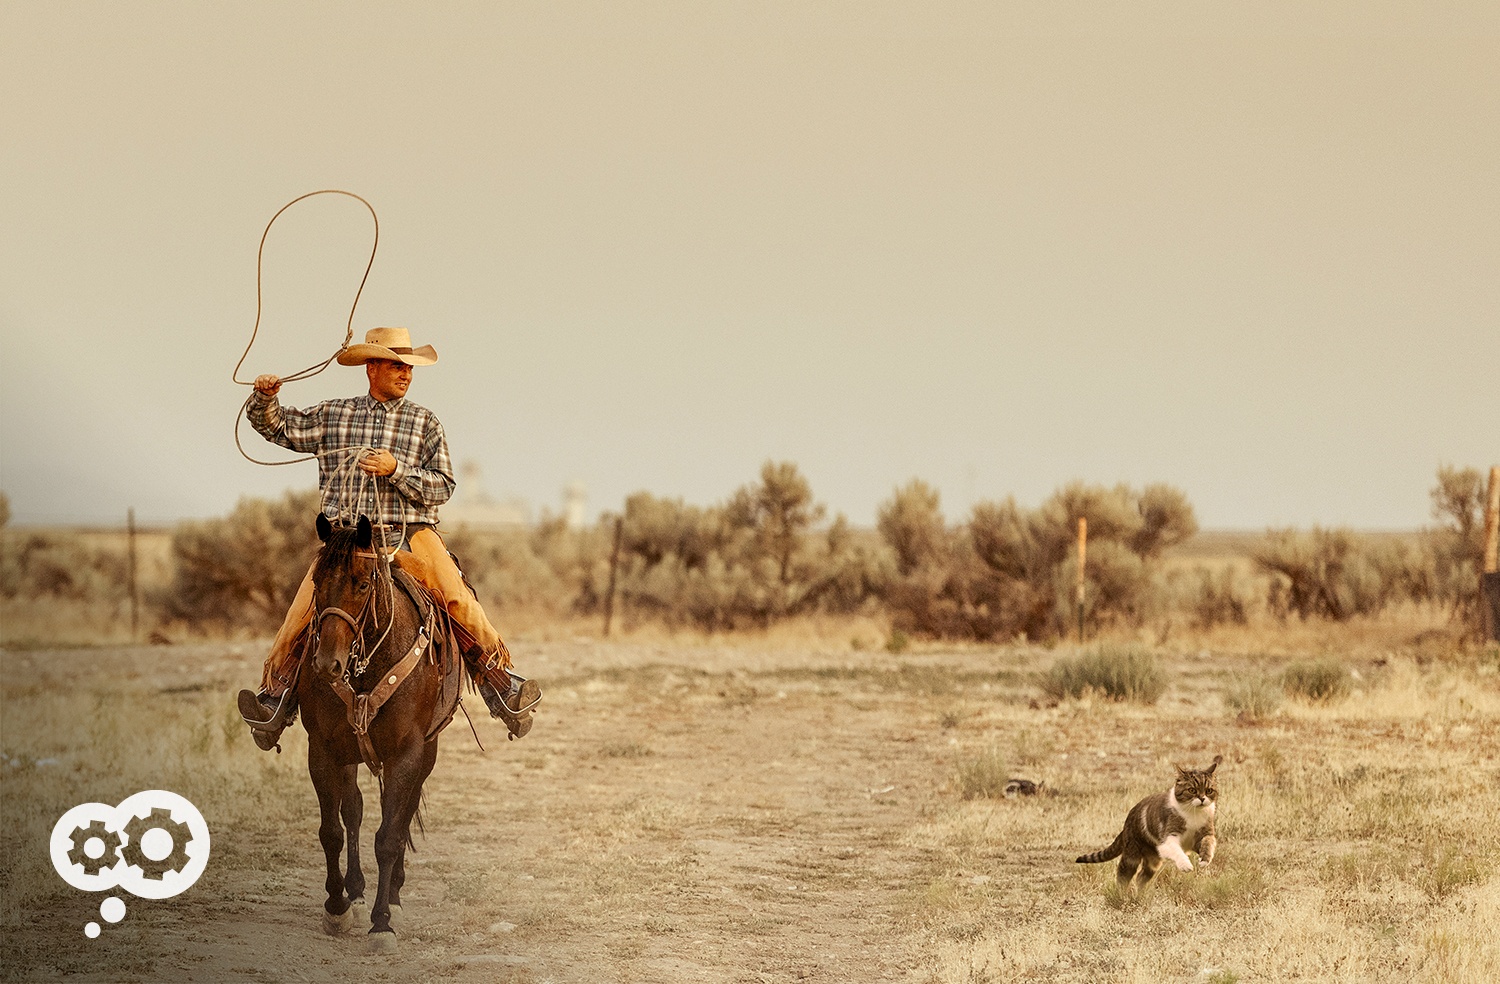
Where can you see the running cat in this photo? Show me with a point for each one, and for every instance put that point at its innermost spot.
(1164, 827)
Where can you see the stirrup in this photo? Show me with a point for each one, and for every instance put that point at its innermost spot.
(513, 707)
(280, 717)
(523, 697)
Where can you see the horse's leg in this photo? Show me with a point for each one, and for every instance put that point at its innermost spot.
(403, 785)
(328, 781)
(354, 815)
(398, 875)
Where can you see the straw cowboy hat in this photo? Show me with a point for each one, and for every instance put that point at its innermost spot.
(387, 343)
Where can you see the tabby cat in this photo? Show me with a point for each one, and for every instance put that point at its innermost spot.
(1164, 827)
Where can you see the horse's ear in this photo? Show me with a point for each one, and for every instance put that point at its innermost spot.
(364, 534)
(325, 528)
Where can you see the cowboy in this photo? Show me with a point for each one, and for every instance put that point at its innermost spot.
(386, 457)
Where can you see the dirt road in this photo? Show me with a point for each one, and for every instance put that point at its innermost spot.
(752, 811)
(679, 813)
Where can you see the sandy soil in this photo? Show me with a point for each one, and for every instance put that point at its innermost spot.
(781, 811)
(678, 813)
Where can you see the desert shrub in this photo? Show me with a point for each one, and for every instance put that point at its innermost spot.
(981, 774)
(61, 565)
(548, 568)
(243, 569)
(931, 590)
(1337, 573)
(1253, 697)
(1010, 571)
(1455, 548)
(912, 524)
(1117, 672)
(1219, 598)
(761, 556)
(1320, 681)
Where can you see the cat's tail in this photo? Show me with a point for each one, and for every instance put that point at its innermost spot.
(1106, 854)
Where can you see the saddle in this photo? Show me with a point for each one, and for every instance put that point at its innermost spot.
(446, 650)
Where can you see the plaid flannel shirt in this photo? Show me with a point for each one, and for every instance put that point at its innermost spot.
(422, 481)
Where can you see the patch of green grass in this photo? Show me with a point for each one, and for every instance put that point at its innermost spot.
(981, 774)
(1319, 681)
(1116, 672)
(899, 642)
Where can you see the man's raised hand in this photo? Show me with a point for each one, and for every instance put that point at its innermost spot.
(267, 384)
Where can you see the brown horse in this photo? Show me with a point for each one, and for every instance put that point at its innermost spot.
(367, 631)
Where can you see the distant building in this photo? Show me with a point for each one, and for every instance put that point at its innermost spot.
(474, 507)
(576, 504)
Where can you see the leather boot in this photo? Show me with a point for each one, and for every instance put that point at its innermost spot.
(268, 713)
(509, 696)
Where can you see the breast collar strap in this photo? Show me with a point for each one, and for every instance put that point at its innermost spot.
(362, 708)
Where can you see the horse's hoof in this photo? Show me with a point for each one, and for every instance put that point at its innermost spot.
(361, 911)
(378, 943)
(396, 915)
(337, 925)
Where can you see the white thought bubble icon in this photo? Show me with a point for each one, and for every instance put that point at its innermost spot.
(154, 845)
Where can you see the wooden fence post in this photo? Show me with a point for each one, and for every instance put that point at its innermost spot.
(1489, 580)
(1083, 549)
(135, 594)
(614, 565)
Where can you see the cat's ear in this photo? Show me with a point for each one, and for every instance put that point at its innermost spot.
(1211, 768)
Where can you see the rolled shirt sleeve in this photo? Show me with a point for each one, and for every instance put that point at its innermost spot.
(302, 431)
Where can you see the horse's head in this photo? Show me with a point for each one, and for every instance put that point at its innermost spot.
(344, 581)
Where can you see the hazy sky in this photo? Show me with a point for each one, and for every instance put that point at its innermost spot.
(1251, 250)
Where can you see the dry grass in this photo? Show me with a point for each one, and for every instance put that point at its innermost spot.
(1319, 681)
(1253, 696)
(118, 742)
(1349, 847)
(981, 774)
(789, 805)
(1112, 671)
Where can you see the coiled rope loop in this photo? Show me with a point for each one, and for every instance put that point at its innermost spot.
(316, 367)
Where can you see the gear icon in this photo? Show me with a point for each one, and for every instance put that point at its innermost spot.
(159, 819)
(110, 840)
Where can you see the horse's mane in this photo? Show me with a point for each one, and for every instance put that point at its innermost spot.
(336, 555)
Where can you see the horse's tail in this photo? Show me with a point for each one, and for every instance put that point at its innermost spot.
(1107, 854)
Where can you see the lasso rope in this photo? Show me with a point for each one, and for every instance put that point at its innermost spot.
(316, 367)
(353, 481)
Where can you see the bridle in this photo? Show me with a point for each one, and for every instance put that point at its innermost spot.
(359, 653)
